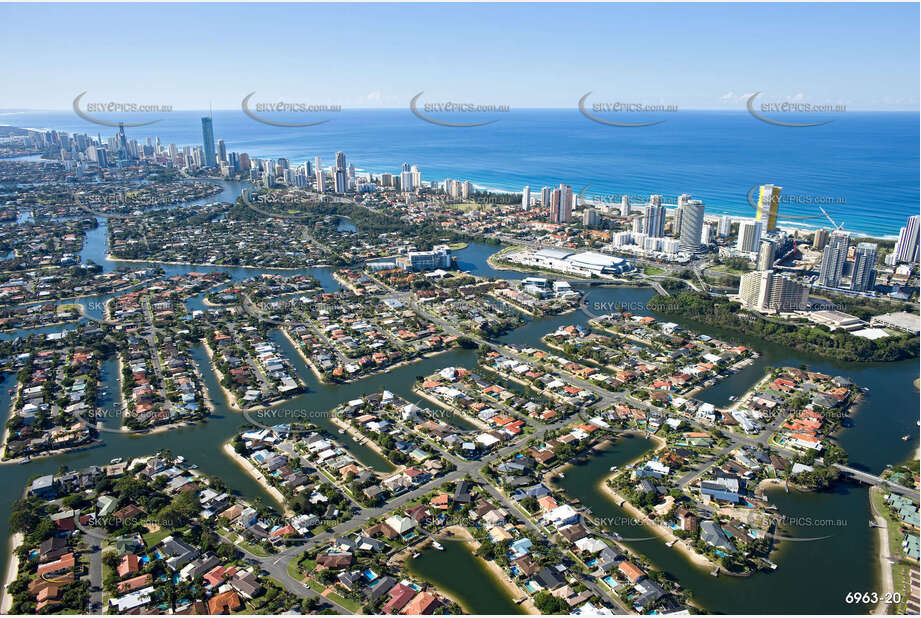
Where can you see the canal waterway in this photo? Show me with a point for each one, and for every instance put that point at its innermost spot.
(812, 577)
(463, 576)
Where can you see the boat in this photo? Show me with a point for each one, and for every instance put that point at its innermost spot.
(732, 398)
(561, 475)
(342, 431)
(415, 554)
(438, 546)
(612, 468)
(115, 461)
(906, 437)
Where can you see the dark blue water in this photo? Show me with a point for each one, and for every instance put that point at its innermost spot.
(866, 163)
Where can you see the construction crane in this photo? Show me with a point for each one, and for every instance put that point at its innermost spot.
(827, 216)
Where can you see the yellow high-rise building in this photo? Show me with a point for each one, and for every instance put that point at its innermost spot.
(768, 203)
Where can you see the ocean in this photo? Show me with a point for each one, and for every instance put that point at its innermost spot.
(862, 168)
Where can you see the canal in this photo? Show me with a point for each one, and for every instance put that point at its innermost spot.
(813, 577)
(478, 590)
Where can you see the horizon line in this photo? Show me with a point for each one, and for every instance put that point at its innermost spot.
(512, 108)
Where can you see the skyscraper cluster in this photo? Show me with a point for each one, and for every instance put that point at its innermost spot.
(458, 189)
(834, 257)
(765, 290)
(561, 204)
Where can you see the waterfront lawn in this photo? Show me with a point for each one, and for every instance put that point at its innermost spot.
(349, 604)
(152, 538)
(255, 550)
(315, 585)
(297, 570)
(900, 569)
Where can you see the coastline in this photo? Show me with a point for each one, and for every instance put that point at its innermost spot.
(886, 581)
(9, 415)
(12, 568)
(300, 351)
(362, 440)
(499, 575)
(258, 477)
(230, 397)
(666, 535)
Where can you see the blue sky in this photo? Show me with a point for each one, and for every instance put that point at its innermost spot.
(695, 56)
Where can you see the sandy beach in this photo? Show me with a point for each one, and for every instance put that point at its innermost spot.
(659, 530)
(257, 476)
(6, 430)
(501, 577)
(361, 439)
(767, 484)
(230, 397)
(885, 569)
(11, 571)
(300, 351)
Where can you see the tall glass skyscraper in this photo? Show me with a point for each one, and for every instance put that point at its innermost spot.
(864, 275)
(768, 203)
(833, 258)
(692, 221)
(207, 141)
(340, 180)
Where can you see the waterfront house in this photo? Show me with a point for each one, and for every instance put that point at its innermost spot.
(549, 579)
(331, 560)
(422, 604)
(631, 571)
(710, 532)
(224, 603)
(400, 595)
